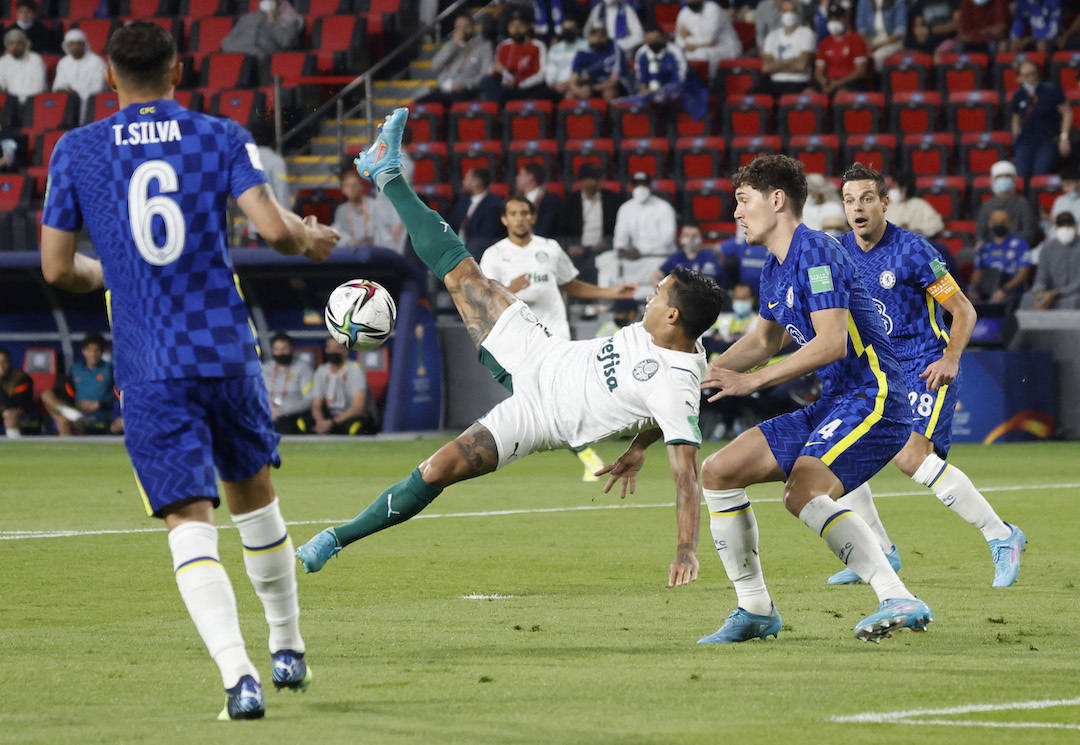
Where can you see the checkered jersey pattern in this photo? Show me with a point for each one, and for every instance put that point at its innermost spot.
(172, 317)
(818, 274)
(896, 272)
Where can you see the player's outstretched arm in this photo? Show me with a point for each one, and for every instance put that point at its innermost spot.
(283, 229)
(683, 460)
(944, 371)
(828, 345)
(625, 468)
(577, 288)
(64, 267)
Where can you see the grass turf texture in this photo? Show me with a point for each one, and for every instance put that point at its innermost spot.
(590, 648)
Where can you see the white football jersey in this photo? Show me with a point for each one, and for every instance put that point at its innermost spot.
(548, 268)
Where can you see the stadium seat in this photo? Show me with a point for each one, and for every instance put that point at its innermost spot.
(1072, 97)
(1065, 69)
(100, 106)
(189, 99)
(581, 120)
(972, 111)
(470, 121)
(221, 71)
(747, 115)
(961, 72)
(439, 197)
(43, 147)
(980, 150)
(478, 154)
(338, 43)
(97, 30)
(206, 36)
(1044, 189)
(858, 113)
(906, 71)
(312, 8)
(147, 10)
(243, 106)
(576, 153)
(665, 12)
(914, 112)
(545, 153)
(738, 76)
(429, 161)
(557, 188)
(76, 8)
(929, 154)
(957, 236)
(684, 125)
(426, 122)
(526, 120)
(42, 365)
(50, 111)
(648, 154)
(745, 149)
(632, 121)
(944, 193)
(195, 9)
(817, 153)
(1004, 69)
(9, 110)
(802, 114)
(318, 202)
(15, 191)
(875, 151)
(707, 200)
(699, 157)
(289, 66)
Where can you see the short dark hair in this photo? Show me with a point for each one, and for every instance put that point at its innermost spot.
(906, 181)
(519, 198)
(698, 299)
(484, 174)
(94, 338)
(5, 353)
(859, 172)
(27, 4)
(1065, 218)
(535, 170)
(142, 53)
(280, 336)
(767, 173)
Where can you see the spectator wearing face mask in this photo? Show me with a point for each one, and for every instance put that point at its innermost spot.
(841, 63)
(560, 58)
(730, 327)
(461, 63)
(43, 38)
(692, 254)
(704, 32)
(664, 78)
(1041, 121)
(644, 238)
(1022, 216)
(1069, 199)
(518, 69)
(910, 211)
(288, 379)
(1002, 263)
(601, 71)
(621, 22)
(787, 58)
(339, 394)
(274, 27)
(1036, 23)
(1057, 277)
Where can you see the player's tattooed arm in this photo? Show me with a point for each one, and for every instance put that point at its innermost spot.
(480, 301)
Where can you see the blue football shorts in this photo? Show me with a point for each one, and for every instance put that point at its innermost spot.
(183, 434)
(931, 411)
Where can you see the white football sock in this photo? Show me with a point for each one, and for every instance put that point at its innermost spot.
(735, 535)
(861, 501)
(854, 544)
(271, 566)
(209, 598)
(955, 490)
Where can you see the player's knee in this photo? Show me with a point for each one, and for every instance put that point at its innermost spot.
(718, 474)
(912, 456)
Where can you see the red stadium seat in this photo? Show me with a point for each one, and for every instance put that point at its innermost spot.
(817, 153)
(195, 9)
(1072, 97)
(15, 191)
(747, 115)
(545, 153)
(41, 364)
(944, 193)
(707, 200)
(189, 99)
(1045, 189)
(581, 120)
(77, 9)
(50, 111)
(980, 150)
(426, 122)
(906, 71)
(929, 154)
(1004, 70)
(972, 111)
(43, 147)
(648, 154)
(470, 121)
(526, 120)
(338, 43)
(632, 121)
(576, 153)
(481, 154)
(221, 71)
(148, 10)
(875, 151)
(685, 125)
(664, 13)
(289, 66)
(243, 106)
(311, 8)
(738, 76)
(957, 236)
(857, 113)
(439, 197)
(699, 157)
(429, 161)
(1065, 69)
(745, 149)
(207, 33)
(915, 112)
(97, 30)
(9, 110)
(962, 72)
(318, 202)
(102, 105)
(802, 114)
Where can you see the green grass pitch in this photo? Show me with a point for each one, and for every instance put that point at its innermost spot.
(585, 644)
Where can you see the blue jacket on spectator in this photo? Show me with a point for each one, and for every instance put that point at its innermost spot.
(895, 18)
(1041, 19)
(598, 66)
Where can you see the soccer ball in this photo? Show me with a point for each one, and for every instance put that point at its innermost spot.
(360, 314)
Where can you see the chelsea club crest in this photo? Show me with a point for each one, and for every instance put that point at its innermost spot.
(887, 279)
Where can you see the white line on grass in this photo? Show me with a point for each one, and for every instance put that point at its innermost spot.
(914, 716)
(488, 597)
(17, 535)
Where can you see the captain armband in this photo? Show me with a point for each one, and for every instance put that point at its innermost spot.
(943, 288)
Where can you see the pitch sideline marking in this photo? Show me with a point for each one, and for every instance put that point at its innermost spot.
(16, 535)
(910, 716)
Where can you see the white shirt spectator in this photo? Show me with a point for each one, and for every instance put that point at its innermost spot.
(709, 30)
(917, 215)
(647, 227)
(592, 219)
(80, 70)
(609, 13)
(337, 387)
(560, 61)
(782, 46)
(22, 76)
(369, 223)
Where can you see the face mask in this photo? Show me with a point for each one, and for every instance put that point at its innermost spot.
(518, 38)
(690, 244)
(267, 6)
(742, 308)
(981, 2)
(895, 195)
(640, 193)
(599, 46)
(789, 19)
(569, 36)
(836, 28)
(1065, 235)
(24, 26)
(696, 7)
(335, 358)
(999, 231)
(1030, 88)
(283, 359)
(657, 48)
(1003, 184)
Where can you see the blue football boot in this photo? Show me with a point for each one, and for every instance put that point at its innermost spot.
(245, 701)
(290, 670)
(385, 153)
(319, 550)
(742, 625)
(849, 577)
(1006, 555)
(893, 615)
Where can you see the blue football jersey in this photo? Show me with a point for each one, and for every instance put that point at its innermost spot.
(151, 183)
(818, 274)
(897, 272)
